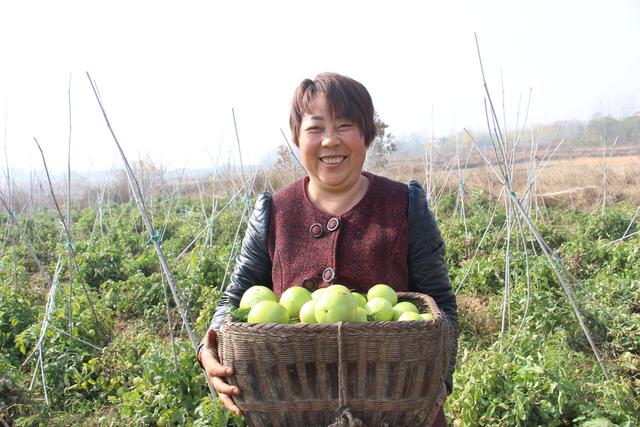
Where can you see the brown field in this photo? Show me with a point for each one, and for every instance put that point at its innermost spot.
(573, 178)
(568, 180)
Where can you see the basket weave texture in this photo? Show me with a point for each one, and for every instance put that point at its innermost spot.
(382, 373)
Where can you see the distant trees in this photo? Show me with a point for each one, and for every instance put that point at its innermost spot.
(627, 130)
(383, 145)
(598, 128)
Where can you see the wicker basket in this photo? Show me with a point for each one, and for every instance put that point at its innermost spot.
(383, 373)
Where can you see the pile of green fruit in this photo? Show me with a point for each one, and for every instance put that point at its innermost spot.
(259, 304)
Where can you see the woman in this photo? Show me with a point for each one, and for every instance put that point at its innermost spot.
(339, 224)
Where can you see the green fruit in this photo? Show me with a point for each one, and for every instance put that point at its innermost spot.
(315, 295)
(426, 316)
(256, 294)
(335, 305)
(383, 291)
(361, 315)
(293, 299)
(361, 300)
(338, 288)
(380, 308)
(403, 307)
(307, 312)
(410, 315)
(268, 312)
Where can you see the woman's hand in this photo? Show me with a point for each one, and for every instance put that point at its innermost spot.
(208, 356)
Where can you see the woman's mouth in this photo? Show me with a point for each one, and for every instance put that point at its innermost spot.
(333, 160)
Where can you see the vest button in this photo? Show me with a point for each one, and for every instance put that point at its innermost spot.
(310, 284)
(316, 230)
(333, 224)
(328, 275)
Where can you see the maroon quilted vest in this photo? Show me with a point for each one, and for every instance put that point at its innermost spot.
(362, 247)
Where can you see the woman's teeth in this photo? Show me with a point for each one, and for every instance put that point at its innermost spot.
(332, 160)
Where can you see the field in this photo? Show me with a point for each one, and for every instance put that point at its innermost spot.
(116, 350)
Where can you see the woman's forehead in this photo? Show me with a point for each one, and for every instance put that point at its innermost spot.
(320, 106)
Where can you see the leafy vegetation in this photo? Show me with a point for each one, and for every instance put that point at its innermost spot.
(119, 366)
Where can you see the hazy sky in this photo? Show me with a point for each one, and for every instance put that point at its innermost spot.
(169, 73)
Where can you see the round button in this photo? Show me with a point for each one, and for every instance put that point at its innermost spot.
(316, 230)
(328, 274)
(333, 224)
(310, 284)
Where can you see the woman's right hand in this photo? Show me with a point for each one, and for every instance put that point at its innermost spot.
(208, 356)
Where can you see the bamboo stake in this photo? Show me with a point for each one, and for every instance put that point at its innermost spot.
(235, 240)
(528, 278)
(170, 324)
(75, 338)
(70, 239)
(293, 154)
(6, 159)
(69, 242)
(209, 224)
(626, 236)
(133, 183)
(635, 215)
(51, 301)
(553, 259)
(507, 275)
(235, 126)
(486, 231)
(44, 384)
(558, 268)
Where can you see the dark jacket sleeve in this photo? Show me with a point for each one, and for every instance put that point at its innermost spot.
(253, 265)
(427, 267)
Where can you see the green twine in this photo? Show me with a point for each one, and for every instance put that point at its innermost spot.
(68, 245)
(154, 237)
(247, 200)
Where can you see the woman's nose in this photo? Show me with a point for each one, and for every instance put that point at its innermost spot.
(330, 139)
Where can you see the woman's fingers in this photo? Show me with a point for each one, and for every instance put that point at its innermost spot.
(211, 364)
(228, 403)
(209, 357)
(222, 387)
(216, 371)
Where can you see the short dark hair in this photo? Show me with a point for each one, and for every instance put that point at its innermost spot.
(346, 98)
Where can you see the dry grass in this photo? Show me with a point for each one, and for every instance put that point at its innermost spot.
(574, 178)
(567, 181)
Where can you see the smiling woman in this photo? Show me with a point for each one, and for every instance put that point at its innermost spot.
(333, 151)
(338, 224)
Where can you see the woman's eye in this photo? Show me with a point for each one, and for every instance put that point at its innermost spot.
(345, 126)
(314, 129)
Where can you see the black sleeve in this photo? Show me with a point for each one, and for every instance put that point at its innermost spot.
(253, 265)
(427, 267)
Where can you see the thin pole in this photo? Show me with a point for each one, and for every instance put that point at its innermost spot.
(235, 126)
(69, 252)
(133, 183)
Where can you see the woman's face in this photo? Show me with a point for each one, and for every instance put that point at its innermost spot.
(332, 149)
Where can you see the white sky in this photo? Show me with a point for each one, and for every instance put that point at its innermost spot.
(169, 73)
